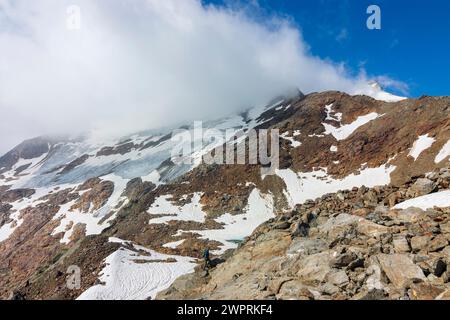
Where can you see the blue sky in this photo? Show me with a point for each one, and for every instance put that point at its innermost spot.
(413, 45)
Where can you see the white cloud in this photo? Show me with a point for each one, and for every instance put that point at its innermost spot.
(137, 64)
(388, 82)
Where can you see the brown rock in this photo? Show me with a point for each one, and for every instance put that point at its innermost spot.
(371, 229)
(400, 243)
(424, 291)
(275, 285)
(444, 295)
(439, 242)
(294, 289)
(339, 278)
(420, 242)
(363, 212)
(399, 269)
(314, 268)
(409, 215)
(445, 227)
(394, 198)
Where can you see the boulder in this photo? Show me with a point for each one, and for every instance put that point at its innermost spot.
(275, 285)
(314, 268)
(439, 267)
(445, 227)
(421, 187)
(299, 229)
(329, 289)
(371, 229)
(307, 246)
(282, 225)
(373, 281)
(294, 290)
(431, 278)
(343, 224)
(424, 291)
(338, 278)
(446, 254)
(362, 212)
(370, 198)
(409, 215)
(16, 295)
(399, 269)
(419, 243)
(343, 260)
(444, 295)
(401, 244)
(438, 242)
(376, 294)
(432, 175)
(394, 198)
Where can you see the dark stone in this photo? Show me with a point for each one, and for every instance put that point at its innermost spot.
(440, 268)
(358, 263)
(343, 260)
(17, 295)
(283, 225)
(300, 229)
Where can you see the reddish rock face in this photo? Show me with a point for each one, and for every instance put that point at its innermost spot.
(15, 195)
(96, 195)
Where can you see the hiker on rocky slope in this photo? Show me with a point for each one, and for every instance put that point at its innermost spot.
(207, 261)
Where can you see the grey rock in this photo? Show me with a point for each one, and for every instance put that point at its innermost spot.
(401, 244)
(339, 278)
(421, 187)
(307, 246)
(419, 243)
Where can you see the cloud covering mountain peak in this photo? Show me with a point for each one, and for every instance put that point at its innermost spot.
(140, 64)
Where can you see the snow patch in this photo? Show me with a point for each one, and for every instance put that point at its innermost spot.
(294, 143)
(189, 212)
(236, 227)
(137, 274)
(174, 245)
(70, 218)
(420, 145)
(444, 153)
(345, 131)
(312, 185)
(316, 135)
(439, 199)
(329, 110)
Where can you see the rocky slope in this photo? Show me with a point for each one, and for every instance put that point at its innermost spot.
(348, 245)
(133, 221)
